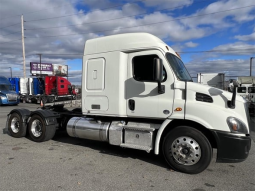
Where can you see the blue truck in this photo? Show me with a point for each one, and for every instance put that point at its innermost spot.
(7, 94)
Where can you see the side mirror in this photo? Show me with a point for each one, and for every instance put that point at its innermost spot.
(158, 74)
(157, 69)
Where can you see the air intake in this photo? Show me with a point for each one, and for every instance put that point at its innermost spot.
(204, 98)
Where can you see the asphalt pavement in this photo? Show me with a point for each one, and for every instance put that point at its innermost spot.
(66, 163)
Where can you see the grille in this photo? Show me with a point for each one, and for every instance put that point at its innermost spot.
(204, 98)
(12, 97)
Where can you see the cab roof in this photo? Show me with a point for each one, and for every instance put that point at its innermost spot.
(122, 42)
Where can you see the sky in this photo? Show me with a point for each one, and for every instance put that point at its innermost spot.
(210, 36)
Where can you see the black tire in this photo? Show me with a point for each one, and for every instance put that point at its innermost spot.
(16, 127)
(187, 150)
(38, 130)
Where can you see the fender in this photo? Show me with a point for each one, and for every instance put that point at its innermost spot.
(158, 137)
(166, 123)
(24, 113)
(50, 117)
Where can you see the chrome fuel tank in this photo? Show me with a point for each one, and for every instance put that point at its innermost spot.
(88, 128)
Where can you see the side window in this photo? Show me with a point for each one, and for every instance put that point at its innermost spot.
(143, 68)
(62, 81)
(62, 86)
(241, 90)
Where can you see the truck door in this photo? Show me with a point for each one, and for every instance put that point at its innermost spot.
(142, 97)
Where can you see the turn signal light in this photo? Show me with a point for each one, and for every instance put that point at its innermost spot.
(178, 109)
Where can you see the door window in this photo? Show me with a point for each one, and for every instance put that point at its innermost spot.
(143, 68)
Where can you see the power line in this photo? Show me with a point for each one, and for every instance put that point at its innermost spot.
(199, 51)
(79, 13)
(34, 11)
(116, 18)
(81, 54)
(120, 28)
(11, 33)
(9, 26)
(9, 41)
(55, 54)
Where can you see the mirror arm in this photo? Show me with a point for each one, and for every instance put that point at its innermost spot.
(161, 88)
(232, 103)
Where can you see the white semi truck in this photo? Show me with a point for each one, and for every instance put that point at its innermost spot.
(137, 93)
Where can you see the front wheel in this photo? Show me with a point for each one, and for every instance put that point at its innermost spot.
(38, 130)
(187, 150)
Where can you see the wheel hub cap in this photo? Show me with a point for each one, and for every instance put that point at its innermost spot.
(15, 125)
(186, 151)
(36, 128)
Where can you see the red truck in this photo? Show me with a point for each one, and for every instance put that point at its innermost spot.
(49, 89)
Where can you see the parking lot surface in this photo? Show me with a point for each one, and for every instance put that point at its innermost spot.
(66, 163)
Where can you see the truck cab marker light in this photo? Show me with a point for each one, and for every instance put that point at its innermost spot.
(178, 109)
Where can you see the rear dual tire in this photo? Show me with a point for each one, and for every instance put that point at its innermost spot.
(16, 127)
(38, 131)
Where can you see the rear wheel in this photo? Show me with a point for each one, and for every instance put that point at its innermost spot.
(187, 150)
(15, 126)
(38, 130)
(51, 99)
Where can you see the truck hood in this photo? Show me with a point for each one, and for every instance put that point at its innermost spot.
(210, 107)
(213, 92)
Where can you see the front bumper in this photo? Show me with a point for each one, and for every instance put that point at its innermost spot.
(231, 148)
(6, 102)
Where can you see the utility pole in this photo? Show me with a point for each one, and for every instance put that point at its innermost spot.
(251, 65)
(40, 64)
(23, 46)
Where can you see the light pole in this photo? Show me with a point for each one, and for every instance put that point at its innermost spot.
(251, 65)
(10, 71)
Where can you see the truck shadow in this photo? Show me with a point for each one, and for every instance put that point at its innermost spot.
(107, 149)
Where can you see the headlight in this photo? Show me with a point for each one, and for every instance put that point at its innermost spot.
(236, 126)
(3, 97)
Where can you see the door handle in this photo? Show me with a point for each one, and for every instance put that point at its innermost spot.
(131, 104)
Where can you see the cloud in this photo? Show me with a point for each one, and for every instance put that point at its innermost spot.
(227, 17)
(167, 3)
(250, 37)
(237, 48)
(231, 67)
(191, 44)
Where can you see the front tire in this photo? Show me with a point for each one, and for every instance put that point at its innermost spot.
(187, 150)
(15, 126)
(38, 130)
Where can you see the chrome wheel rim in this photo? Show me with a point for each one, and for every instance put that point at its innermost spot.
(15, 125)
(186, 151)
(36, 128)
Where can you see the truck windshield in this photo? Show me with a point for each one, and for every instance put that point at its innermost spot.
(178, 67)
(4, 87)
